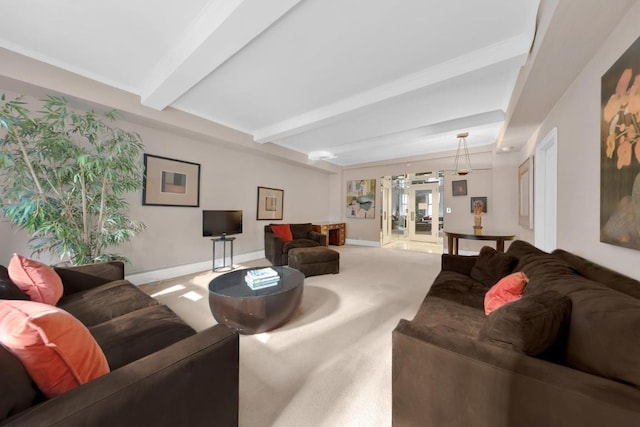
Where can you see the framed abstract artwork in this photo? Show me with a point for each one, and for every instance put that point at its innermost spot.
(361, 198)
(481, 201)
(170, 182)
(459, 188)
(270, 203)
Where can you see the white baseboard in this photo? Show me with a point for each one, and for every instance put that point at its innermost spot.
(181, 270)
(362, 243)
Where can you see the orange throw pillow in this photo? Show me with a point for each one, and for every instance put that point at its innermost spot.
(35, 279)
(56, 349)
(508, 289)
(284, 231)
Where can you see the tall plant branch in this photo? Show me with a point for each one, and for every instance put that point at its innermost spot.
(100, 225)
(85, 216)
(55, 191)
(27, 160)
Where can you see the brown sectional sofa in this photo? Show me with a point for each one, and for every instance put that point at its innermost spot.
(163, 373)
(455, 366)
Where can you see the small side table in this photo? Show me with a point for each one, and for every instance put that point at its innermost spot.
(335, 232)
(224, 240)
(453, 237)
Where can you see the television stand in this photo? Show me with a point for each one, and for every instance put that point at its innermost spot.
(224, 240)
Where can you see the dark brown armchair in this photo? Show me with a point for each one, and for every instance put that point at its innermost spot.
(277, 251)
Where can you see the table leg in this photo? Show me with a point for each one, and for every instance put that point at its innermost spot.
(500, 245)
(232, 254)
(213, 261)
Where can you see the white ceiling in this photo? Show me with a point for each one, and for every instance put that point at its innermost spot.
(368, 80)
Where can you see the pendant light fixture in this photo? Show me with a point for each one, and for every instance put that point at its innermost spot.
(463, 151)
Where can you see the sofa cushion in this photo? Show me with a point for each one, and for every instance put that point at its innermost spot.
(520, 248)
(36, 279)
(284, 231)
(17, 391)
(139, 333)
(458, 263)
(300, 231)
(458, 288)
(546, 272)
(599, 273)
(508, 289)
(106, 302)
(531, 325)
(450, 316)
(8, 289)
(88, 276)
(298, 243)
(604, 335)
(492, 266)
(55, 348)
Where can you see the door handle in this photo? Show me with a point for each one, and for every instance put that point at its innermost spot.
(413, 216)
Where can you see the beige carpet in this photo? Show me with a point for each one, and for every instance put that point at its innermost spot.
(331, 364)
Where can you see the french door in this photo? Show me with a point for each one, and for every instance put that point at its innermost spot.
(387, 215)
(424, 220)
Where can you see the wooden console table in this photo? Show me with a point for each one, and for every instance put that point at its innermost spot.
(453, 238)
(335, 232)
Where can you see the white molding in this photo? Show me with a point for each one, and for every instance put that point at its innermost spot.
(362, 243)
(515, 47)
(181, 270)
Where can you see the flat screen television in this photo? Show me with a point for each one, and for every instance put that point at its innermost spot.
(221, 223)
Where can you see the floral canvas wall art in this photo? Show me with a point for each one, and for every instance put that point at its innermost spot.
(620, 151)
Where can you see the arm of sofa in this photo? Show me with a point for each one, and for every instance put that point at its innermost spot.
(273, 248)
(318, 237)
(458, 263)
(193, 382)
(83, 277)
(441, 378)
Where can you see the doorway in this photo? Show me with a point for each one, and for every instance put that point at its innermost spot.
(412, 212)
(545, 192)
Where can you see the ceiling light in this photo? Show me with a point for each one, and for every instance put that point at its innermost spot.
(464, 152)
(321, 155)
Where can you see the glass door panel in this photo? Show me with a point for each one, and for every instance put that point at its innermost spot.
(424, 212)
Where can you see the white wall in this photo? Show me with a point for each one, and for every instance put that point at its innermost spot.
(577, 116)
(229, 180)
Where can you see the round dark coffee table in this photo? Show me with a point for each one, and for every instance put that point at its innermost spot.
(235, 304)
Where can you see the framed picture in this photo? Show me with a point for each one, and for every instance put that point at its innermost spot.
(620, 152)
(361, 198)
(459, 188)
(170, 182)
(482, 201)
(525, 193)
(269, 203)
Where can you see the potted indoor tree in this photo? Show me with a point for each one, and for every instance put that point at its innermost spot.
(63, 175)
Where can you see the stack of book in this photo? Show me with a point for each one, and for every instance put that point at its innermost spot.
(261, 278)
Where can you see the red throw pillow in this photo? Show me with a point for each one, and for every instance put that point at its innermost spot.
(56, 349)
(284, 231)
(35, 279)
(508, 289)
